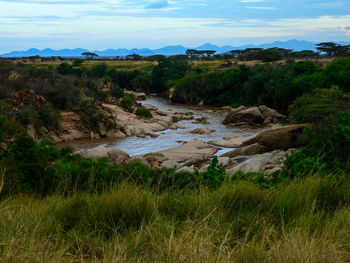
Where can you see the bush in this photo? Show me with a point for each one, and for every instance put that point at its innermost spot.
(117, 92)
(328, 149)
(128, 102)
(143, 112)
(174, 119)
(216, 173)
(28, 162)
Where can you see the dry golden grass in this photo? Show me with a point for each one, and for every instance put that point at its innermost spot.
(239, 222)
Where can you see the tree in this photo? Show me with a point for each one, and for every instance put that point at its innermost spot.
(333, 49)
(89, 55)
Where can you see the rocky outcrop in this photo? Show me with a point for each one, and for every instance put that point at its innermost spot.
(253, 116)
(19, 99)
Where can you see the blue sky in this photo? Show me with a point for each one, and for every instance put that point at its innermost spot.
(102, 24)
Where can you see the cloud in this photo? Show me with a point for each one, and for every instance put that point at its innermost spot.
(158, 5)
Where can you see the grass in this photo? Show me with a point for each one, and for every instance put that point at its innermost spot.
(146, 66)
(304, 220)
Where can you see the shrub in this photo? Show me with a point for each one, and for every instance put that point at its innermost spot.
(28, 162)
(174, 119)
(117, 92)
(216, 173)
(128, 102)
(143, 112)
(328, 149)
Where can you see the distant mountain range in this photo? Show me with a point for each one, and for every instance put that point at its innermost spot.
(296, 45)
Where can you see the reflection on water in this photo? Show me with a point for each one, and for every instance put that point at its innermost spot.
(171, 138)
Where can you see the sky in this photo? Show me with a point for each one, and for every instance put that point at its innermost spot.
(103, 24)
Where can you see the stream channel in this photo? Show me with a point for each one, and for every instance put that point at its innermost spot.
(172, 138)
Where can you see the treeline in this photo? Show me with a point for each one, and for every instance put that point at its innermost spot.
(275, 86)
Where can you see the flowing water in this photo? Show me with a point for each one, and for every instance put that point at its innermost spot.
(172, 138)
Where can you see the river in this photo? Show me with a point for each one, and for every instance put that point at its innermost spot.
(172, 138)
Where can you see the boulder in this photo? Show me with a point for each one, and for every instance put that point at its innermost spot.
(203, 120)
(283, 138)
(247, 150)
(248, 116)
(202, 131)
(224, 161)
(169, 164)
(197, 161)
(186, 169)
(100, 151)
(271, 114)
(138, 95)
(118, 156)
(204, 168)
(253, 165)
(139, 160)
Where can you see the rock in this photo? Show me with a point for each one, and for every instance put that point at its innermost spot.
(190, 150)
(149, 107)
(249, 116)
(175, 126)
(232, 143)
(203, 120)
(204, 168)
(139, 160)
(202, 131)
(100, 151)
(253, 165)
(229, 137)
(162, 112)
(283, 138)
(118, 156)
(138, 95)
(169, 164)
(271, 114)
(224, 161)
(247, 150)
(186, 169)
(101, 128)
(197, 161)
(115, 134)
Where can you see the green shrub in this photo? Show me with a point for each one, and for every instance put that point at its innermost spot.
(117, 92)
(216, 173)
(143, 112)
(174, 119)
(328, 149)
(128, 102)
(28, 164)
(314, 107)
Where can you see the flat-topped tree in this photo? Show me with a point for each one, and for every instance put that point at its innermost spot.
(89, 55)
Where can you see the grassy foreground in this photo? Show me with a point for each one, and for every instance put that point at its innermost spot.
(300, 220)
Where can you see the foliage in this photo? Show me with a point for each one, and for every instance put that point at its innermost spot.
(174, 119)
(117, 92)
(328, 148)
(143, 112)
(315, 106)
(216, 173)
(28, 164)
(127, 102)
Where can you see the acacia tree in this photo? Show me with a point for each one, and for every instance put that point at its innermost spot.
(89, 55)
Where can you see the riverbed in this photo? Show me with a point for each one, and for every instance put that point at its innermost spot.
(172, 138)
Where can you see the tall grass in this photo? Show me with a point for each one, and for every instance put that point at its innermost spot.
(306, 220)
